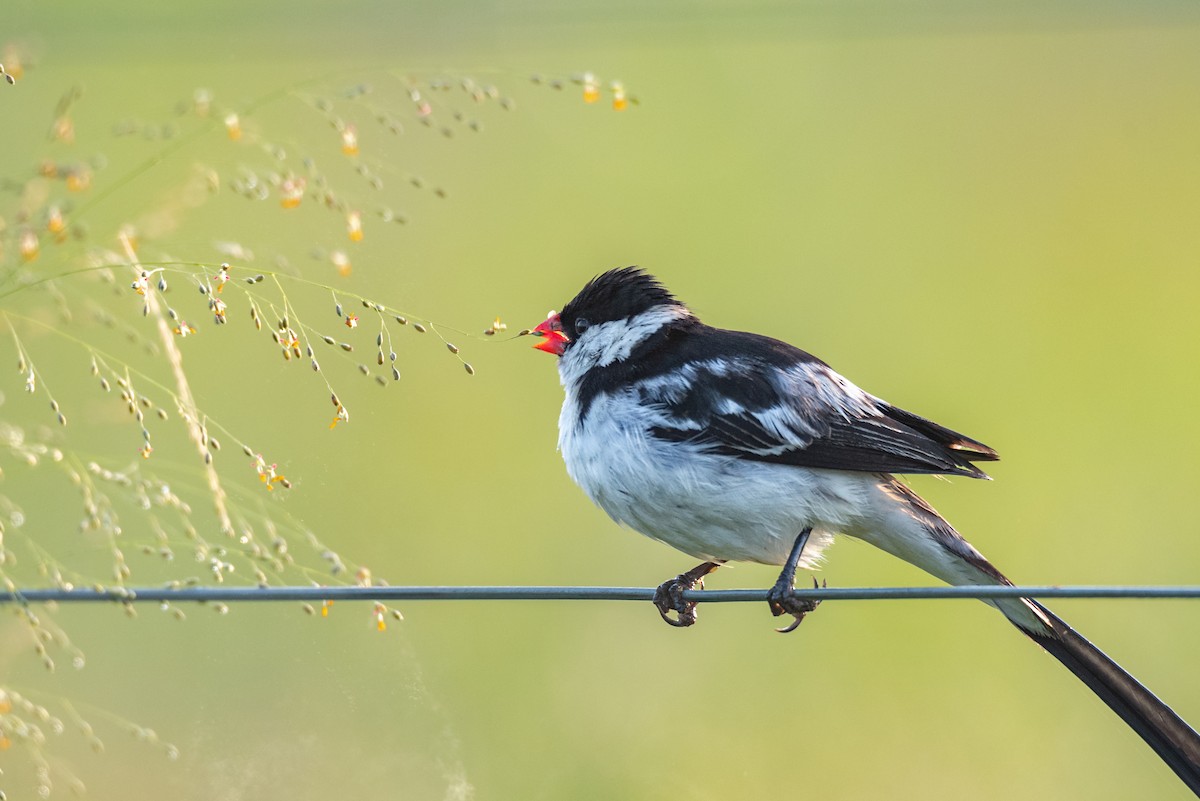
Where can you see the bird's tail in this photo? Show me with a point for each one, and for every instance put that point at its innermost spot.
(1169, 735)
(933, 545)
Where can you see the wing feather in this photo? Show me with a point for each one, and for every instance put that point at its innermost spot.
(803, 414)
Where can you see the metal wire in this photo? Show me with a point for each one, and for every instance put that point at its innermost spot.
(484, 593)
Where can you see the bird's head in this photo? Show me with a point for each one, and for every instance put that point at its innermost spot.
(610, 316)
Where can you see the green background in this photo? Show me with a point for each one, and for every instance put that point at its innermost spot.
(983, 212)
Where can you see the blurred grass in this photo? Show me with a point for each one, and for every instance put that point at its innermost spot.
(983, 214)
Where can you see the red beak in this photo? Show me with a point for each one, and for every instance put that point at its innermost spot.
(555, 341)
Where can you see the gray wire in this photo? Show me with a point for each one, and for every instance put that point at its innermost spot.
(484, 593)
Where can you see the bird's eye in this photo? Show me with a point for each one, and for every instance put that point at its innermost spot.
(581, 324)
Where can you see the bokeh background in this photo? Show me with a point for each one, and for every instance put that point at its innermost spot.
(983, 212)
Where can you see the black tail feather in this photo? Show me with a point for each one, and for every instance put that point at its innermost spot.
(969, 450)
(1168, 734)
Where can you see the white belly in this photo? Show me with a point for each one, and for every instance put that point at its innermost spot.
(713, 507)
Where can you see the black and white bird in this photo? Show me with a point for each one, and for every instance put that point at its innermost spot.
(732, 446)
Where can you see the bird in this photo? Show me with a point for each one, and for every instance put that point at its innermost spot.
(734, 446)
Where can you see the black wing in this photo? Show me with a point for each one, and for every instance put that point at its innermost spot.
(760, 399)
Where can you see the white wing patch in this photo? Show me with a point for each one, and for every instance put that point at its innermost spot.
(791, 407)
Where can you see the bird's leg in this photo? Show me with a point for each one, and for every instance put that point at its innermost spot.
(669, 594)
(780, 597)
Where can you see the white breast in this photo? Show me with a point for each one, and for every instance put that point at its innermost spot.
(710, 506)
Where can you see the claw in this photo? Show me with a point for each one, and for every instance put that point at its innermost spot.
(669, 595)
(781, 600)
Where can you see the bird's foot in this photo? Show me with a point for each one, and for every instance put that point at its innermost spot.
(782, 601)
(669, 595)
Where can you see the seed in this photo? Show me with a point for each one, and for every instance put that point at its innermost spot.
(420, 329)
(451, 347)
(470, 370)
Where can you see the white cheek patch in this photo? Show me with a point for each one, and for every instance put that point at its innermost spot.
(605, 343)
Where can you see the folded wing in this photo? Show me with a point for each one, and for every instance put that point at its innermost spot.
(778, 404)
